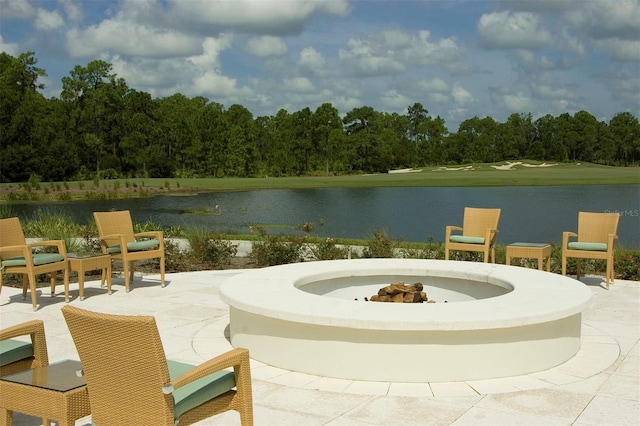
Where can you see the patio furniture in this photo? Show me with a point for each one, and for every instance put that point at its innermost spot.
(52, 391)
(84, 264)
(17, 355)
(18, 257)
(539, 251)
(117, 239)
(130, 381)
(595, 240)
(479, 230)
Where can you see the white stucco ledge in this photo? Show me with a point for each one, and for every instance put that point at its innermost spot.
(489, 321)
(531, 296)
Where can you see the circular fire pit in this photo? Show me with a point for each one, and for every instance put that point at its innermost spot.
(498, 320)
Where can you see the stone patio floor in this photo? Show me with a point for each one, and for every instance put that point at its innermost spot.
(600, 385)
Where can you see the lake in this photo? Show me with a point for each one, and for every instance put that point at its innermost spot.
(530, 214)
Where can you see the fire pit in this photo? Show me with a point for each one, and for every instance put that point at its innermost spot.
(498, 321)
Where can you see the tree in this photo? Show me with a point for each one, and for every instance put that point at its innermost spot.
(325, 121)
(625, 131)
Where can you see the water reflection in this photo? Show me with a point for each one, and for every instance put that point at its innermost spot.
(533, 214)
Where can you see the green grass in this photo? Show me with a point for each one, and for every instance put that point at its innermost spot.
(482, 175)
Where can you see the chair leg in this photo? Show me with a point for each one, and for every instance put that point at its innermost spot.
(564, 265)
(578, 262)
(162, 271)
(446, 253)
(34, 296)
(125, 270)
(25, 285)
(609, 277)
(52, 280)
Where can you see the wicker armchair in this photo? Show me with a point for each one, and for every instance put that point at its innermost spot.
(595, 240)
(17, 257)
(479, 231)
(18, 355)
(131, 382)
(117, 239)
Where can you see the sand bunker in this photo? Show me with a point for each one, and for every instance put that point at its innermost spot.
(510, 165)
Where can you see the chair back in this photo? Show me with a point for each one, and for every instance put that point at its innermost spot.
(124, 365)
(117, 222)
(11, 234)
(476, 221)
(596, 227)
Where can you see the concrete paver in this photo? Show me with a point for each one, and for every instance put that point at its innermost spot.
(600, 385)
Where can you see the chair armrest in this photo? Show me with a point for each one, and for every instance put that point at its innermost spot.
(34, 328)
(22, 247)
(62, 248)
(565, 238)
(490, 235)
(449, 229)
(610, 241)
(238, 357)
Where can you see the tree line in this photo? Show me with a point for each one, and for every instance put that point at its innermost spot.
(99, 126)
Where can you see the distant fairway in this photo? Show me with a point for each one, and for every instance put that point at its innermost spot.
(465, 175)
(479, 175)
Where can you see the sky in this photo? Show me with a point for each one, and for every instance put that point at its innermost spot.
(459, 59)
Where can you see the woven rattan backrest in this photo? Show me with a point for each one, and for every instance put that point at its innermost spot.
(11, 234)
(596, 227)
(118, 222)
(124, 365)
(476, 221)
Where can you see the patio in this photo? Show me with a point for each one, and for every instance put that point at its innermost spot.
(600, 385)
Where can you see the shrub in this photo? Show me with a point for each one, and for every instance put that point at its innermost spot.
(276, 249)
(328, 250)
(379, 245)
(210, 249)
(627, 265)
(55, 225)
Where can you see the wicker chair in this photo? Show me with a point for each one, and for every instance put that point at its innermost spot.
(18, 355)
(131, 382)
(479, 231)
(595, 240)
(17, 257)
(118, 240)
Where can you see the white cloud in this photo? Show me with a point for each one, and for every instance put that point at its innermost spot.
(621, 50)
(312, 60)
(212, 83)
(257, 16)
(48, 20)
(461, 96)
(266, 46)
(9, 48)
(362, 59)
(395, 100)
(211, 48)
(129, 39)
(72, 10)
(298, 84)
(17, 9)
(517, 102)
(604, 19)
(434, 85)
(519, 30)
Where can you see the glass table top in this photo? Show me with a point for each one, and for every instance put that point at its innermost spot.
(60, 376)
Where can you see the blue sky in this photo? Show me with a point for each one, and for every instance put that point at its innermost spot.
(459, 59)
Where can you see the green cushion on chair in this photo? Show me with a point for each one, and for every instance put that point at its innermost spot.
(14, 350)
(199, 391)
(588, 246)
(38, 259)
(136, 246)
(466, 239)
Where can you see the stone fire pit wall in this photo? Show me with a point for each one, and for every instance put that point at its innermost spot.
(499, 321)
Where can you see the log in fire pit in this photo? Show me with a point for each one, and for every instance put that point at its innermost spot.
(399, 292)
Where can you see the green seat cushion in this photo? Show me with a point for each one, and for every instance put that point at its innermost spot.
(136, 246)
(466, 239)
(14, 350)
(38, 259)
(588, 246)
(199, 391)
